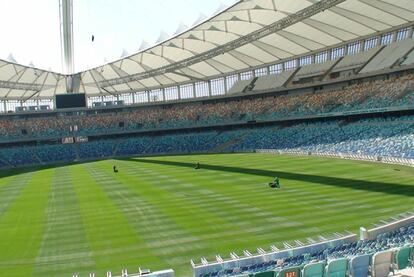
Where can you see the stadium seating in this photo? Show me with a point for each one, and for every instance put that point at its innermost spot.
(337, 268)
(381, 263)
(389, 56)
(402, 258)
(355, 61)
(359, 259)
(395, 91)
(359, 265)
(96, 149)
(264, 274)
(240, 86)
(19, 156)
(293, 271)
(273, 81)
(409, 59)
(313, 269)
(212, 88)
(386, 137)
(315, 69)
(55, 153)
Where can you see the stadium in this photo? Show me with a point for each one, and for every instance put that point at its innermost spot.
(271, 138)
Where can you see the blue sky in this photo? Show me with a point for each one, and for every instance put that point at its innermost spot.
(30, 29)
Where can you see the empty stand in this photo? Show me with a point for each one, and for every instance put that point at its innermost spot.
(403, 257)
(359, 265)
(337, 268)
(381, 263)
(313, 269)
(389, 56)
(316, 69)
(240, 86)
(273, 81)
(356, 61)
(409, 59)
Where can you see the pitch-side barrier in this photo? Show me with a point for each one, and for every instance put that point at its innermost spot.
(358, 157)
(383, 227)
(141, 273)
(248, 259)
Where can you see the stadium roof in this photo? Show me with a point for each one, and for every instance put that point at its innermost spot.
(247, 35)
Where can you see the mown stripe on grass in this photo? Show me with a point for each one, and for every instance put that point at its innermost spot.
(65, 249)
(169, 240)
(173, 205)
(243, 222)
(111, 237)
(155, 231)
(22, 226)
(10, 188)
(284, 204)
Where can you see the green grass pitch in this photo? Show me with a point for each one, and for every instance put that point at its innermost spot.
(160, 212)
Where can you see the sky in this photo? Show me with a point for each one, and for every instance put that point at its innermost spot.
(30, 29)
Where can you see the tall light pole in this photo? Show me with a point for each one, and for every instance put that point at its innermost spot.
(66, 35)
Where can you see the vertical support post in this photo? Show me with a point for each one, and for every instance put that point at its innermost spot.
(133, 97)
(346, 49)
(66, 35)
(362, 47)
(394, 36)
(410, 32)
(194, 90)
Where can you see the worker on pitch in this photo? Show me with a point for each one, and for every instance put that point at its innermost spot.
(275, 183)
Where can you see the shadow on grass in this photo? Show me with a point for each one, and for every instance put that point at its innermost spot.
(388, 188)
(8, 172)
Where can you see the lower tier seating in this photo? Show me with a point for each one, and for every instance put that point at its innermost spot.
(387, 137)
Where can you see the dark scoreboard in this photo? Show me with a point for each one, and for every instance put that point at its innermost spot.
(70, 100)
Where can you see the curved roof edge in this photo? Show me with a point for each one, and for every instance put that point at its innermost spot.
(158, 43)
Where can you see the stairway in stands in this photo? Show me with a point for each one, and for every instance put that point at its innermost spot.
(5, 161)
(77, 150)
(222, 147)
(36, 157)
(115, 148)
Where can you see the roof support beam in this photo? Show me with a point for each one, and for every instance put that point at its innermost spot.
(190, 77)
(263, 32)
(20, 86)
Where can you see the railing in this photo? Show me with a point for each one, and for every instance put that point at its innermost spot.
(142, 272)
(249, 259)
(394, 224)
(358, 157)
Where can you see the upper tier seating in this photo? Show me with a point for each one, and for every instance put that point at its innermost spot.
(355, 61)
(315, 69)
(361, 96)
(409, 59)
(272, 81)
(240, 86)
(389, 56)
